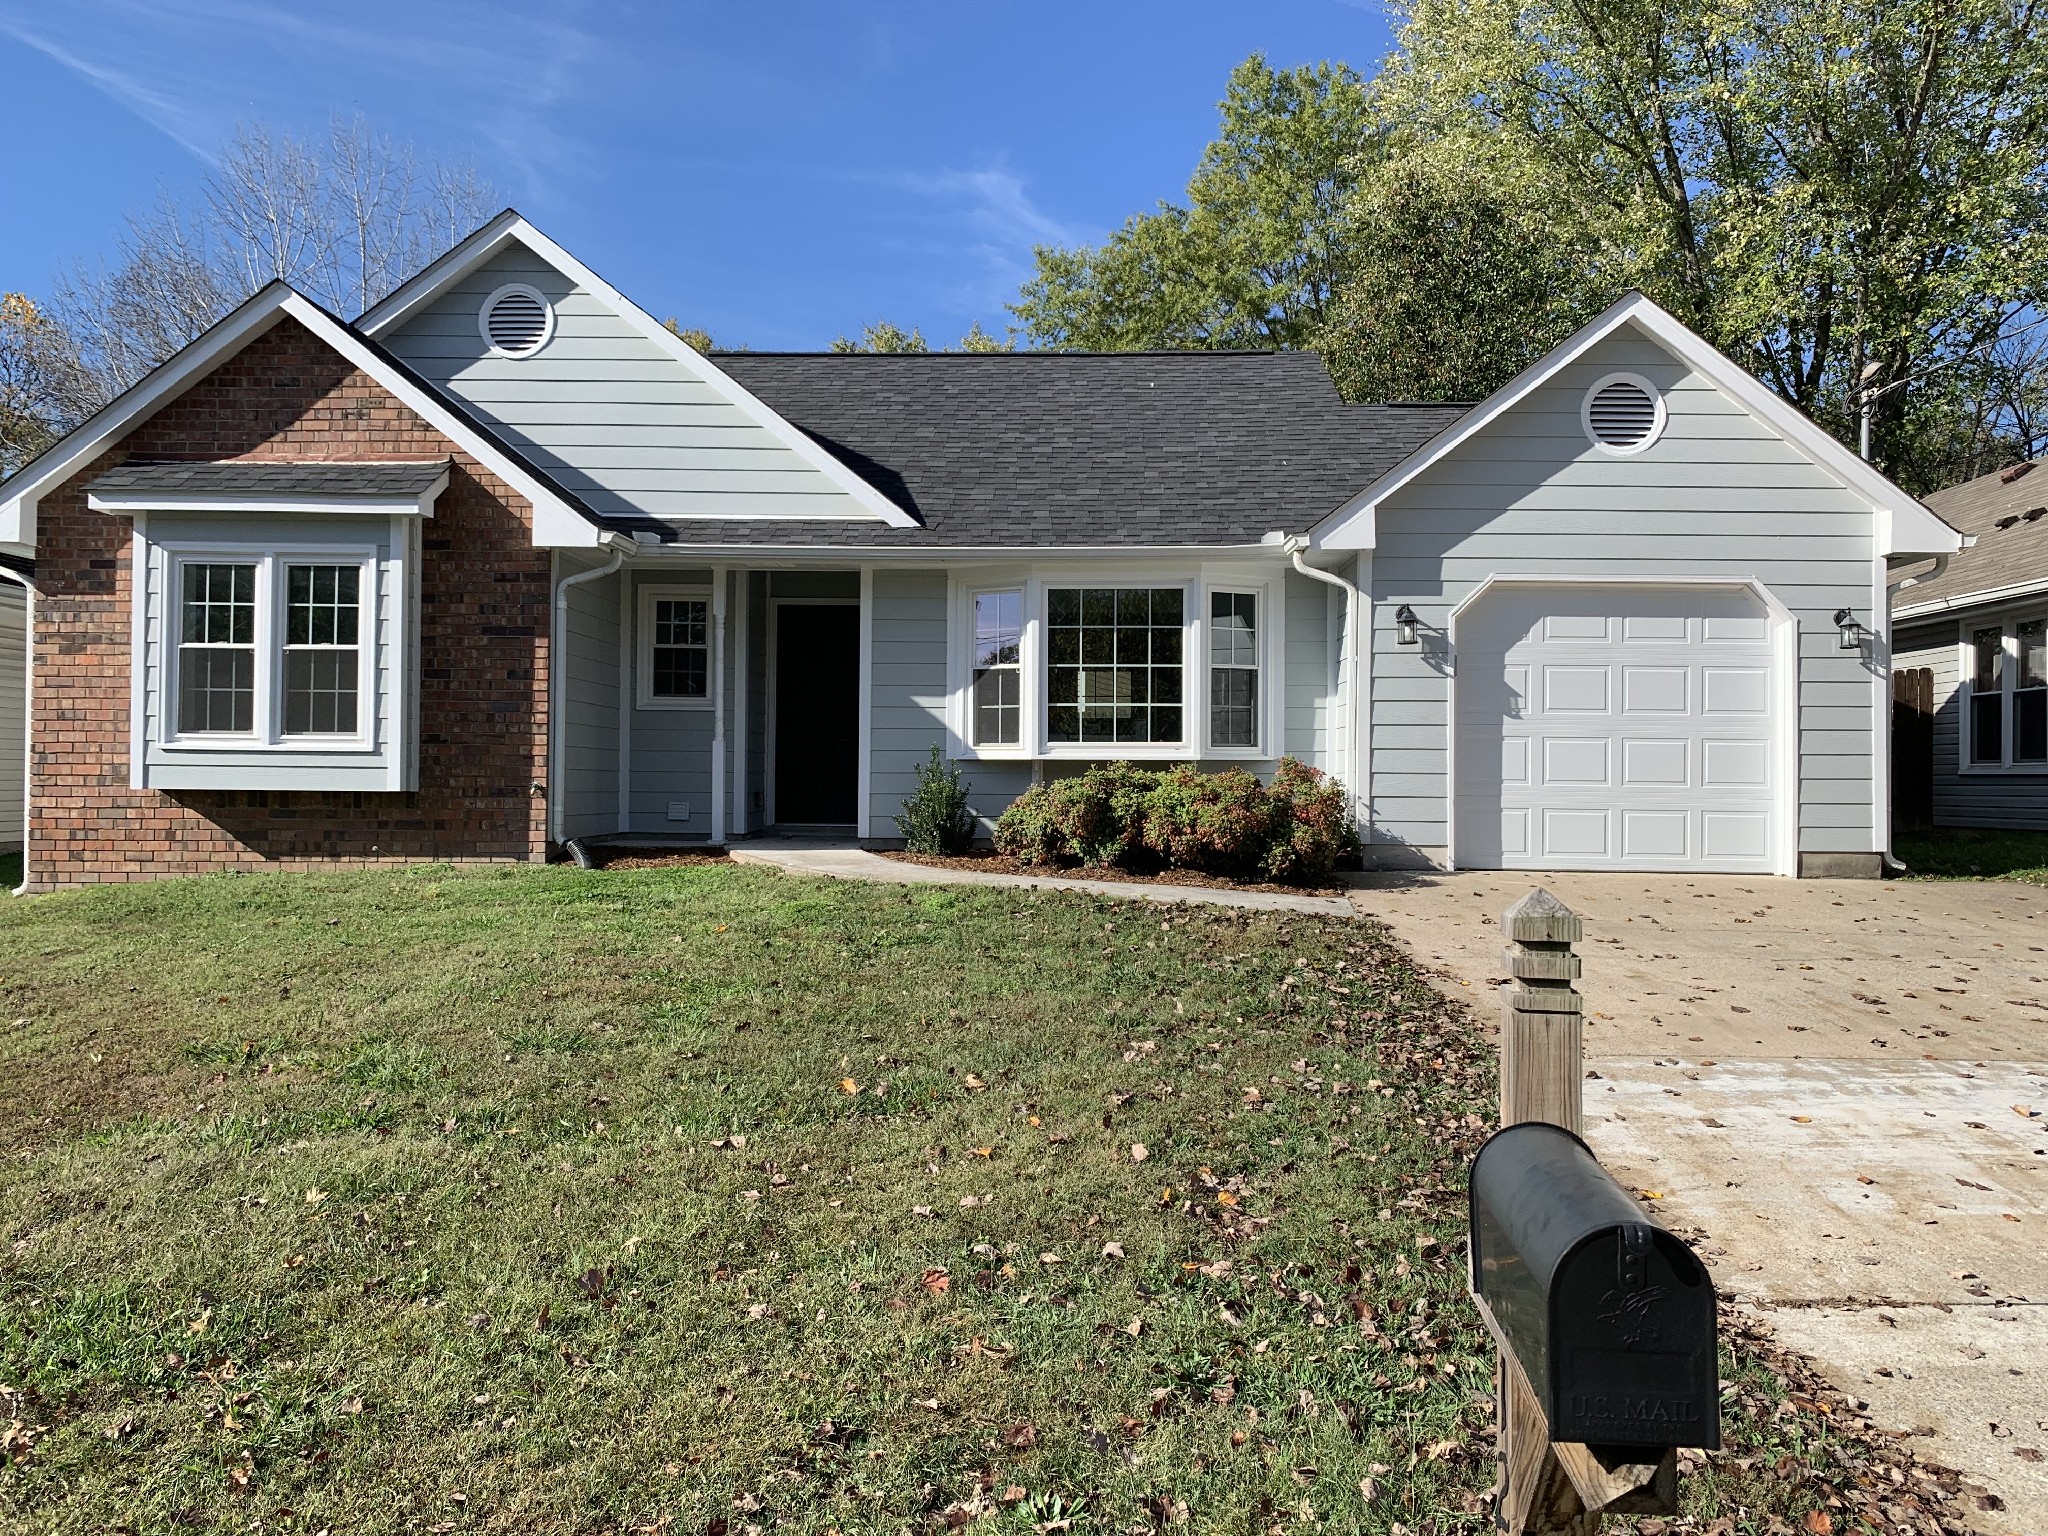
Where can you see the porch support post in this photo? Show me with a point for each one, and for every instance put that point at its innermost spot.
(718, 704)
(863, 821)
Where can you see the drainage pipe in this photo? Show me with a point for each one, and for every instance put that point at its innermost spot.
(1353, 600)
(558, 672)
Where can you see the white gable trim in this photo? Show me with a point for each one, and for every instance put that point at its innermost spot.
(555, 521)
(509, 227)
(1904, 525)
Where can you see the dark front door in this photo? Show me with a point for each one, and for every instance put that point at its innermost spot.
(817, 712)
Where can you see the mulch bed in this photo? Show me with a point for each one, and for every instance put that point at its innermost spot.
(1002, 864)
(656, 858)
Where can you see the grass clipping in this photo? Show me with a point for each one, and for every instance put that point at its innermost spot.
(706, 1200)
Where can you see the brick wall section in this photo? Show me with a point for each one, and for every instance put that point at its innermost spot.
(483, 654)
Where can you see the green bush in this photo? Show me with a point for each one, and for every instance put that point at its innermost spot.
(1294, 829)
(935, 819)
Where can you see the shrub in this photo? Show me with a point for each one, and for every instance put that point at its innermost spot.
(935, 819)
(1293, 829)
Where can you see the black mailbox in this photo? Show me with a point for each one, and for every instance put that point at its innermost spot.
(1611, 1317)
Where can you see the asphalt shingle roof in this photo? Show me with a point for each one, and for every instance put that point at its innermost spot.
(1060, 448)
(242, 477)
(2008, 512)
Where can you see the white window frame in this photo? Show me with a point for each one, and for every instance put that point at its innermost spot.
(1196, 582)
(2006, 622)
(1259, 668)
(643, 648)
(1021, 747)
(267, 732)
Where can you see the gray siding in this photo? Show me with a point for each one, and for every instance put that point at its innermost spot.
(13, 708)
(590, 708)
(612, 416)
(908, 691)
(2008, 800)
(1718, 495)
(670, 748)
(1314, 625)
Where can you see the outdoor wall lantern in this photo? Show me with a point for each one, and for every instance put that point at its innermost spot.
(1404, 625)
(1852, 634)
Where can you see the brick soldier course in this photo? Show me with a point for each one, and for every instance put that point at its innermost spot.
(483, 651)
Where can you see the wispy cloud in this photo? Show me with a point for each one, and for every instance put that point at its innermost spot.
(988, 222)
(187, 67)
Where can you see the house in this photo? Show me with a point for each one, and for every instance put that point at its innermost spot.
(503, 563)
(13, 707)
(1970, 663)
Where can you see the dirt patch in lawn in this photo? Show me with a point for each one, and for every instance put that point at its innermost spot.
(1002, 864)
(658, 858)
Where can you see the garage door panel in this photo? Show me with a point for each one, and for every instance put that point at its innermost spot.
(1576, 690)
(1664, 764)
(1576, 761)
(1656, 835)
(1655, 690)
(1631, 729)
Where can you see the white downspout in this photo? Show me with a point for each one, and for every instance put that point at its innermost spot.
(1914, 580)
(1350, 668)
(28, 715)
(558, 670)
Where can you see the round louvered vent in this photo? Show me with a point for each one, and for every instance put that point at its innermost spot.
(516, 321)
(1623, 414)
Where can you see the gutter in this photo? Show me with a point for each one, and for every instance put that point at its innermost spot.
(1294, 546)
(28, 713)
(558, 669)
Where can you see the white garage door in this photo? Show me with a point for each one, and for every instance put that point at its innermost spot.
(1615, 728)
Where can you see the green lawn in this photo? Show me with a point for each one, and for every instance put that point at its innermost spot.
(708, 1200)
(1968, 853)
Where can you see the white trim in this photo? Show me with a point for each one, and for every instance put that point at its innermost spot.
(1956, 605)
(556, 523)
(1660, 414)
(1914, 528)
(118, 502)
(1878, 658)
(267, 734)
(716, 682)
(960, 649)
(143, 569)
(643, 644)
(864, 773)
(1786, 796)
(508, 227)
(547, 321)
(2006, 620)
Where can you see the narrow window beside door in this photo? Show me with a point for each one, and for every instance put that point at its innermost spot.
(1987, 701)
(217, 650)
(680, 661)
(322, 661)
(1233, 669)
(998, 682)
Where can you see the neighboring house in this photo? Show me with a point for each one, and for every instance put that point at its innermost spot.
(13, 707)
(1970, 663)
(504, 563)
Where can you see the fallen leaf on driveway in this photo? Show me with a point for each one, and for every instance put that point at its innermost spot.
(1802, 1119)
(2026, 1111)
(1973, 1184)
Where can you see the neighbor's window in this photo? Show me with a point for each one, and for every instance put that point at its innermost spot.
(2030, 694)
(998, 673)
(322, 661)
(217, 650)
(1233, 669)
(679, 662)
(1113, 664)
(1987, 700)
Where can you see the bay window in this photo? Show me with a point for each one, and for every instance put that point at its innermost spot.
(1046, 666)
(2006, 708)
(265, 650)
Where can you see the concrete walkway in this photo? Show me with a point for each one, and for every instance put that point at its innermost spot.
(842, 862)
(1844, 1083)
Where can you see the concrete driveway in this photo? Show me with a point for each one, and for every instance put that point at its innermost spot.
(1845, 1083)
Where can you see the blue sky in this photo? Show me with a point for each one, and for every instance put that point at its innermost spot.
(778, 171)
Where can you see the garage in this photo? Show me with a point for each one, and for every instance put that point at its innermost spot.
(1616, 728)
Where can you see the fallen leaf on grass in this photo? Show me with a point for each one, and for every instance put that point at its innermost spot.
(1112, 1250)
(937, 1281)
(848, 1085)
(1138, 1152)
(1820, 1522)
(1021, 1437)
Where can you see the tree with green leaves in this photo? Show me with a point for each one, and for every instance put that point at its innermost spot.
(1254, 257)
(883, 337)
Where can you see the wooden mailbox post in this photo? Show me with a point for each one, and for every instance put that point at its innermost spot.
(1546, 1488)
